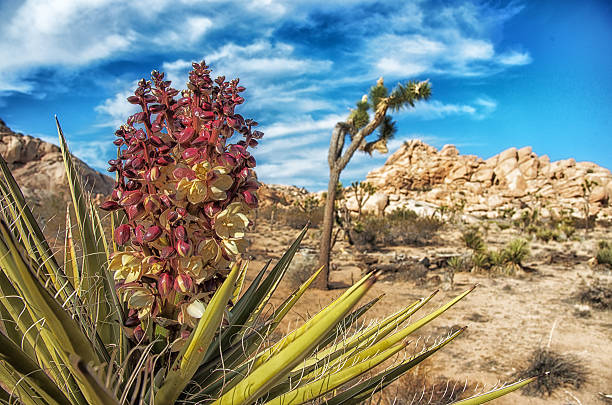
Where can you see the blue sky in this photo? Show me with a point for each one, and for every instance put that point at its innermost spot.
(503, 73)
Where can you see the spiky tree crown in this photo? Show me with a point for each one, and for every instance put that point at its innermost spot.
(402, 96)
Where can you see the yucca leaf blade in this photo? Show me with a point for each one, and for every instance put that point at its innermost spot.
(93, 389)
(365, 389)
(334, 380)
(280, 363)
(192, 353)
(66, 333)
(491, 395)
(37, 378)
(94, 255)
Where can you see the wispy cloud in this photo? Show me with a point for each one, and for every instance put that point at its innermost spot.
(515, 58)
(93, 152)
(435, 109)
(458, 43)
(115, 110)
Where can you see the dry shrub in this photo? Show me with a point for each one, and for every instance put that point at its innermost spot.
(297, 219)
(421, 387)
(303, 265)
(604, 253)
(291, 216)
(555, 370)
(597, 294)
(396, 229)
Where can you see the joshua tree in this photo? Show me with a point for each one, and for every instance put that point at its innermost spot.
(587, 190)
(307, 205)
(358, 127)
(362, 191)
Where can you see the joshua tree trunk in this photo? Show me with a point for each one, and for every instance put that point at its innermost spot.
(328, 224)
(337, 162)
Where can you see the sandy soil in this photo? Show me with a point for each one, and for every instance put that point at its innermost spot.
(507, 316)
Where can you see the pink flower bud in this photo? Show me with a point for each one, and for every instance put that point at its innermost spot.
(109, 205)
(183, 172)
(151, 203)
(190, 154)
(134, 211)
(250, 199)
(122, 234)
(164, 285)
(138, 333)
(152, 234)
(131, 198)
(164, 160)
(183, 248)
(180, 233)
(153, 174)
(185, 135)
(211, 209)
(139, 234)
(183, 283)
(156, 141)
(167, 252)
(133, 100)
(166, 200)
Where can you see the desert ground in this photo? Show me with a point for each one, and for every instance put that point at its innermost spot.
(508, 316)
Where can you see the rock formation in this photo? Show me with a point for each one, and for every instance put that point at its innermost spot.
(516, 178)
(39, 169)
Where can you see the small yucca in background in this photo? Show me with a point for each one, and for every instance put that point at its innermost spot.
(155, 313)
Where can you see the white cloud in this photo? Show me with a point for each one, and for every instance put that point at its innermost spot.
(93, 152)
(264, 59)
(77, 33)
(66, 33)
(459, 42)
(187, 33)
(515, 58)
(116, 109)
(435, 109)
(301, 124)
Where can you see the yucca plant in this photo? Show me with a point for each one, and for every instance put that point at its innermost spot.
(156, 312)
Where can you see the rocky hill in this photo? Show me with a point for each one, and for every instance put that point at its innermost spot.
(38, 168)
(420, 175)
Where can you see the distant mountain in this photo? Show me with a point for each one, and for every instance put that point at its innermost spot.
(38, 168)
(513, 179)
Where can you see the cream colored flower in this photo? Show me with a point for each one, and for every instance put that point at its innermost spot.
(126, 266)
(232, 222)
(140, 299)
(208, 184)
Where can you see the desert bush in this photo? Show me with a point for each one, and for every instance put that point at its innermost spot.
(505, 260)
(502, 225)
(454, 265)
(402, 214)
(401, 228)
(516, 251)
(303, 265)
(481, 261)
(597, 294)
(296, 218)
(473, 240)
(555, 370)
(546, 234)
(421, 387)
(604, 253)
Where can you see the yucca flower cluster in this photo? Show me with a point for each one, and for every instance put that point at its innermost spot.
(186, 193)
